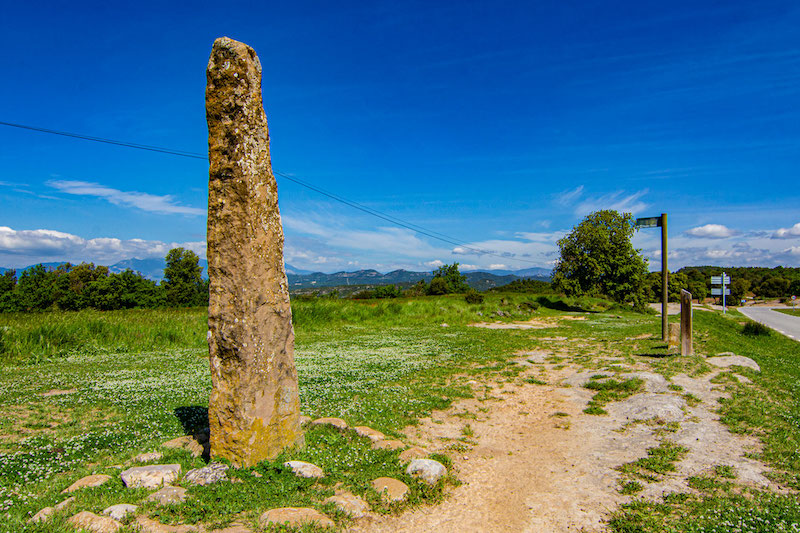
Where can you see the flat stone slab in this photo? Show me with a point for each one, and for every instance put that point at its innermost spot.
(148, 525)
(95, 480)
(168, 495)
(120, 511)
(648, 405)
(303, 469)
(150, 477)
(43, 515)
(388, 445)
(652, 382)
(64, 504)
(96, 524)
(211, 473)
(188, 443)
(148, 457)
(295, 517)
(349, 503)
(579, 379)
(427, 470)
(390, 489)
(415, 452)
(726, 361)
(372, 434)
(338, 423)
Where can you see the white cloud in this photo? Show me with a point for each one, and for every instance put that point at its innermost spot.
(23, 247)
(787, 233)
(711, 231)
(617, 201)
(139, 200)
(498, 266)
(569, 197)
(434, 264)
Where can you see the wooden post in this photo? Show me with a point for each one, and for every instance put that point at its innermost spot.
(686, 323)
(664, 276)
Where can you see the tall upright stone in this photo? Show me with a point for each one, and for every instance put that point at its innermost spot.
(254, 406)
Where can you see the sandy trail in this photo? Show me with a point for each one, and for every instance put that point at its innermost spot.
(537, 463)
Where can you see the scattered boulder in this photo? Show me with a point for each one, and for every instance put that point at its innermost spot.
(349, 503)
(233, 528)
(390, 489)
(42, 516)
(303, 469)
(388, 445)
(150, 477)
(148, 457)
(305, 420)
(667, 407)
(96, 524)
(148, 525)
(168, 495)
(188, 443)
(207, 475)
(65, 503)
(726, 361)
(338, 423)
(120, 511)
(427, 470)
(372, 434)
(295, 517)
(95, 480)
(415, 452)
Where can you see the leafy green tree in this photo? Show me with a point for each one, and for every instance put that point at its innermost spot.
(447, 279)
(8, 297)
(182, 278)
(35, 288)
(773, 288)
(739, 288)
(597, 258)
(794, 288)
(698, 290)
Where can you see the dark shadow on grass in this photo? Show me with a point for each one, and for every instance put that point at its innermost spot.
(193, 418)
(560, 305)
(655, 355)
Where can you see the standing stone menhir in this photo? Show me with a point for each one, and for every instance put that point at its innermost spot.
(254, 407)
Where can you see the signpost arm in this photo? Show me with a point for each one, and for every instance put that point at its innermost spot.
(664, 275)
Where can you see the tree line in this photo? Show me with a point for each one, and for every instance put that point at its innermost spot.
(73, 287)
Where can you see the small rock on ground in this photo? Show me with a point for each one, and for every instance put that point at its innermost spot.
(579, 379)
(233, 528)
(349, 503)
(189, 443)
(652, 382)
(96, 524)
(168, 495)
(427, 470)
(647, 406)
(726, 361)
(415, 452)
(388, 445)
(305, 420)
(303, 469)
(372, 434)
(150, 477)
(391, 489)
(210, 473)
(94, 480)
(148, 525)
(65, 503)
(148, 457)
(338, 423)
(42, 516)
(120, 511)
(295, 517)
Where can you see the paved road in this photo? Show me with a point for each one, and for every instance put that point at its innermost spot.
(787, 324)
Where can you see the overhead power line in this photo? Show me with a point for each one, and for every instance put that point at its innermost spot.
(194, 155)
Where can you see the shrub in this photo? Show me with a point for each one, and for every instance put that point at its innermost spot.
(755, 329)
(473, 297)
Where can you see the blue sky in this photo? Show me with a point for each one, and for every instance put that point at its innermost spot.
(500, 124)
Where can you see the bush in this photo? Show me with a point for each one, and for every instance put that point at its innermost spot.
(755, 329)
(529, 306)
(473, 297)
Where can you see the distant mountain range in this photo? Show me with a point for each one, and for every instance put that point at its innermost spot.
(304, 279)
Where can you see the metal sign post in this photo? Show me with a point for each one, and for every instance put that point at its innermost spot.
(654, 222)
(794, 298)
(723, 280)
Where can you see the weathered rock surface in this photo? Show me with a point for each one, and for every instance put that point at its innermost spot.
(391, 489)
(148, 525)
(390, 444)
(95, 480)
(233, 528)
(295, 517)
(652, 382)
(338, 423)
(254, 407)
(42, 516)
(120, 511)
(427, 470)
(303, 469)
(372, 434)
(148, 457)
(168, 495)
(208, 474)
(646, 406)
(726, 361)
(415, 452)
(150, 477)
(305, 420)
(188, 443)
(349, 503)
(96, 524)
(65, 503)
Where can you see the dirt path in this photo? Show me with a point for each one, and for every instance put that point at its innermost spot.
(535, 462)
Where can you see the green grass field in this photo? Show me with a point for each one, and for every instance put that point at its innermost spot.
(792, 312)
(138, 378)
